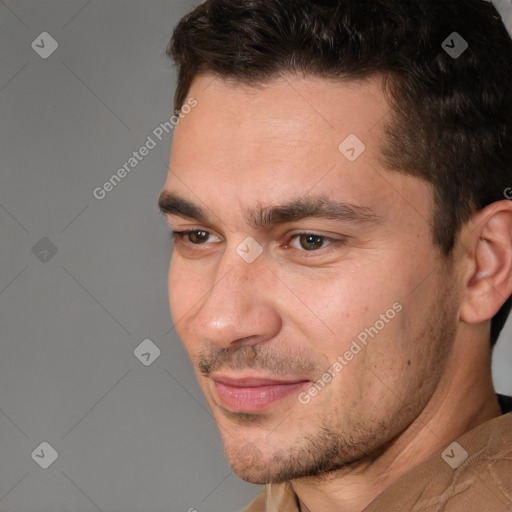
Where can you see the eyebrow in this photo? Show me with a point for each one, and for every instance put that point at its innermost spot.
(266, 216)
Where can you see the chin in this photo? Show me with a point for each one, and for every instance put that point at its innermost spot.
(249, 463)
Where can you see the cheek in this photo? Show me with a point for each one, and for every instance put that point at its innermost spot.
(356, 318)
(174, 287)
(182, 296)
(333, 310)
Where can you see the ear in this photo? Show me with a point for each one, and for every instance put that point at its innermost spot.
(488, 240)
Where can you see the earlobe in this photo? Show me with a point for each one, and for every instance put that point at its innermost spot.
(490, 245)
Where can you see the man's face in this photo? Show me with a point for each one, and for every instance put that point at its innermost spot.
(315, 340)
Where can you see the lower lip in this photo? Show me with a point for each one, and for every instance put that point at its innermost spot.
(255, 398)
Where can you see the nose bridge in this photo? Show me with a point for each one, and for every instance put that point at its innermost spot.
(233, 278)
(234, 285)
(238, 302)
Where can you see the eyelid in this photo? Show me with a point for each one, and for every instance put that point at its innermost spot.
(190, 229)
(180, 234)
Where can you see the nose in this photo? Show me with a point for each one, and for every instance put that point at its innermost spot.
(239, 308)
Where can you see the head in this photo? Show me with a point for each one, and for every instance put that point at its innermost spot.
(345, 177)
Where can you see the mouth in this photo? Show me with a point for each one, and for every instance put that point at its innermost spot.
(252, 393)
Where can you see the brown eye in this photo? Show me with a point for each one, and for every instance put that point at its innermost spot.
(194, 236)
(198, 237)
(310, 241)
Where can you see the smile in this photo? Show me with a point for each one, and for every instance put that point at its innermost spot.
(253, 394)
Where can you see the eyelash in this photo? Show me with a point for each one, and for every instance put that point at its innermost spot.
(180, 235)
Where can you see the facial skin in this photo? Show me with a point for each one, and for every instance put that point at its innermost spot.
(418, 383)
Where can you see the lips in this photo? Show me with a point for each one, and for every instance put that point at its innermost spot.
(253, 394)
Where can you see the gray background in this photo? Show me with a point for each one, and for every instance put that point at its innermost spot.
(129, 437)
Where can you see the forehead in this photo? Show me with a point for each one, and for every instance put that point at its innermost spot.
(264, 144)
(289, 117)
(290, 122)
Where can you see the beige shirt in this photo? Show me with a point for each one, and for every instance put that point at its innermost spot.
(473, 474)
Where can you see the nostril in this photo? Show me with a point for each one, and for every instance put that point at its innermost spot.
(249, 340)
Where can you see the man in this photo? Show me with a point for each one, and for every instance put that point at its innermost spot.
(342, 263)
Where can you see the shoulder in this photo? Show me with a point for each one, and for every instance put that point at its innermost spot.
(471, 473)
